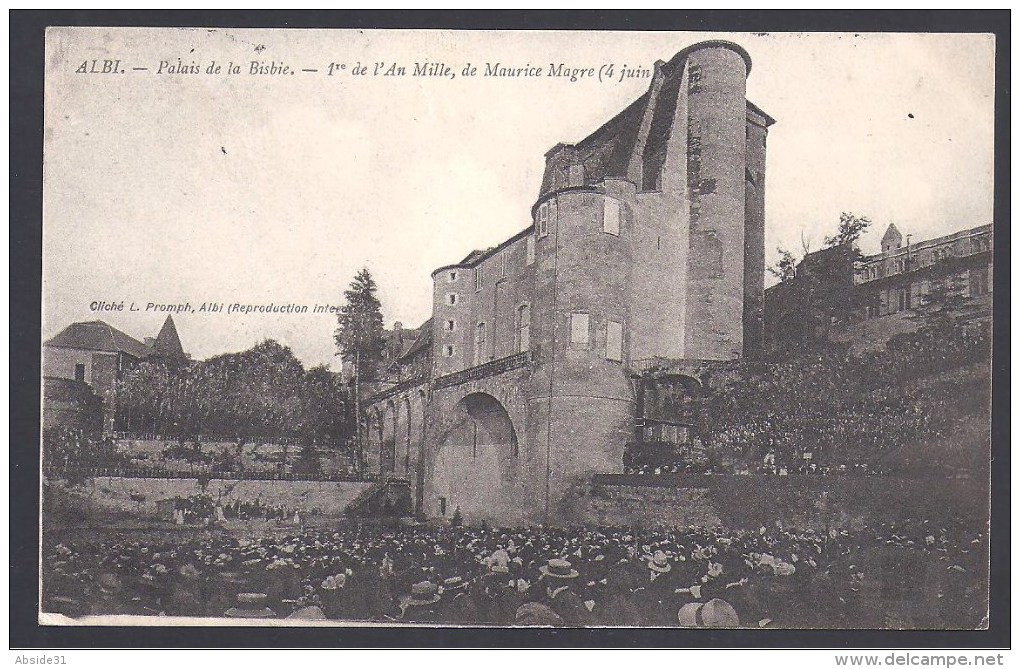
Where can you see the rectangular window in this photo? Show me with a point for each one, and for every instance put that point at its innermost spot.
(448, 351)
(611, 216)
(523, 328)
(79, 373)
(453, 277)
(502, 263)
(479, 278)
(978, 282)
(579, 328)
(614, 341)
(531, 249)
(451, 325)
(543, 219)
(451, 298)
(480, 344)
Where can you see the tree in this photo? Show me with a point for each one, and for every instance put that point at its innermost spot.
(359, 335)
(785, 268)
(254, 396)
(851, 227)
(940, 309)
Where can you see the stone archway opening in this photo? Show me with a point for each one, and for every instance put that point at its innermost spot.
(477, 463)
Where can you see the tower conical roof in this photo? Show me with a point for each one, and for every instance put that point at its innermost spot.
(168, 342)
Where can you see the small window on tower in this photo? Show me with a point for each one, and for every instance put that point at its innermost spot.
(543, 219)
(448, 351)
(453, 277)
(614, 341)
(451, 325)
(451, 298)
(579, 328)
(611, 216)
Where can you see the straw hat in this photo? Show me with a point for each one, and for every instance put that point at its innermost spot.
(558, 569)
(713, 613)
(251, 605)
(308, 613)
(423, 593)
(538, 615)
(659, 563)
(454, 583)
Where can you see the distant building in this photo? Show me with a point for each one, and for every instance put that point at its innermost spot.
(898, 278)
(889, 288)
(646, 247)
(86, 359)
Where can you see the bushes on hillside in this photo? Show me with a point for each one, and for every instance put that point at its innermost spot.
(834, 412)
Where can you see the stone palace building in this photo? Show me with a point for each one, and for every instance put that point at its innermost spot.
(646, 248)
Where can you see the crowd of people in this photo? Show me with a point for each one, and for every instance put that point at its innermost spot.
(694, 576)
(203, 507)
(832, 414)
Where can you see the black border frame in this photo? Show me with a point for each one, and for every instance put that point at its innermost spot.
(26, 68)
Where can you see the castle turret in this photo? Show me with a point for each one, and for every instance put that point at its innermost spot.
(715, 78)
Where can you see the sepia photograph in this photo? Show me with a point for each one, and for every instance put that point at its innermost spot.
(516, 329)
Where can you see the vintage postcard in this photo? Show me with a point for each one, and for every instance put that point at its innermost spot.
(514, 328)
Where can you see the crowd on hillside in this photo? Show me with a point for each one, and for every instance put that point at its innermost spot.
(694, 576)
(833, 414)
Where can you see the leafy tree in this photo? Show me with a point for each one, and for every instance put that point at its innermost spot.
(70, 450)
(851, 227)
(255, 396)
(785, 268)
(940, 309)
(359, 335)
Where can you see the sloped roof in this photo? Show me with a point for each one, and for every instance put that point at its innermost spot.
(606, 153)
(168, 342)
(99, 336)
(423, 340)
(892, 232)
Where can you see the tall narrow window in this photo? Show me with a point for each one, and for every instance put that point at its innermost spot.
(502, 263)
(578, 328)
(543, 219)
(79, 373)
(614, 341)
(978, 281)
(611, 216)
(523, 328)
(531, 249)
(451, 298)
(480, 344)
(479, 278)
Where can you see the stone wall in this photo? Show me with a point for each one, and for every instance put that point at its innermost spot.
(114, 494)
(750, 501)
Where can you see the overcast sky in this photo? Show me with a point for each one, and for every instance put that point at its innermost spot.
(173, 188)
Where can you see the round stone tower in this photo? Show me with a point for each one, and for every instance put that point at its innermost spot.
(715, 78)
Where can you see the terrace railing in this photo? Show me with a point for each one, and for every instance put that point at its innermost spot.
(492, 368)
(398, 388)
(163, 473)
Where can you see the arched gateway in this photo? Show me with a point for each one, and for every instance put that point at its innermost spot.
(475, 465)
